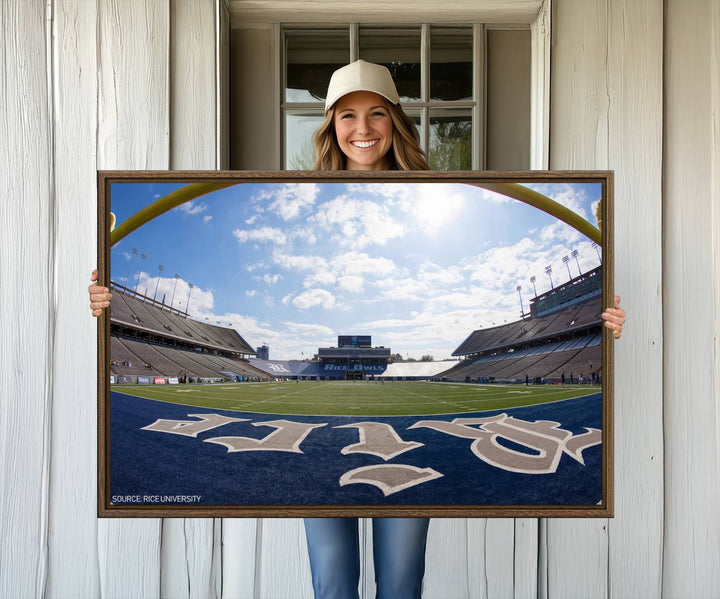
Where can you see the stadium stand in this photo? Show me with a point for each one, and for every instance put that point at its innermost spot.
(148, 339)
(154, 317)
(560, 336)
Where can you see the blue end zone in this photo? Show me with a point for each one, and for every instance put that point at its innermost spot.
(152, 463)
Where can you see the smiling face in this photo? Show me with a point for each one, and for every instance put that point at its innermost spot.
(364, 130)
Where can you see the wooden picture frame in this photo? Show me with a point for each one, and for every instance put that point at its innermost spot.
(398, 266)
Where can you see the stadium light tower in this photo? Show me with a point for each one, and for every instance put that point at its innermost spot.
(143, 257)
(574, 254)
(135, 252)
(548, 272)
(565, 262)
(522, 310)
(597, 251)
(172, 301)
(532, 280)
(187, 303)
(160, 269)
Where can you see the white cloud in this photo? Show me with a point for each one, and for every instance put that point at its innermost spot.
(314, 297)
(357, 223)
(559, 232)
(435, 205)
(572, 198)
(351, 283)
(177, 292)
(595, 215)
(433, 274)
(270, 279)
(362, 263)
(191, 208)
(319, 278)
(407, 289)
(475, 298)
(207, 219)
(388, 190)
(305, 234)
(293, 262)
(290, 200)
(250, 292)
(498, 266)
(256, 266)
(263, 234)
(309, 330)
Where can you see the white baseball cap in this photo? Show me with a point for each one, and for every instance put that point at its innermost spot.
(361, 76)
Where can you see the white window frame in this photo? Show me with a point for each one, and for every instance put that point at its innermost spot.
(476, 106)
(537, 17)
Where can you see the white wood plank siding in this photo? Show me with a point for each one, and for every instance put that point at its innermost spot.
(133, 131)
(526, 564)
(73, 558)
(193, 85)
(692, 395)
(133, 126)
(189, 567)
(447, 558)
(606, 112)
(282, 567)
(577, 550)
(499, 540)
(635, 124)
(27, 319)
(239, 558)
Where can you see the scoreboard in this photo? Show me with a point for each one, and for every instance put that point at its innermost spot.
(354, 341)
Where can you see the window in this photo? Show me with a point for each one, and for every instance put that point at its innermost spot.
(466, 86)
(435, 70)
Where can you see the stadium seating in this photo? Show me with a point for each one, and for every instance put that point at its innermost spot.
(151, 316)
(148, 339)
(546, 361)
(531, 330)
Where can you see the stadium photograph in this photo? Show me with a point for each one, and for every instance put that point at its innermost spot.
(360, 345)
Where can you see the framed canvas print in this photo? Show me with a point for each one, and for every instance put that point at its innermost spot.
(365, 344)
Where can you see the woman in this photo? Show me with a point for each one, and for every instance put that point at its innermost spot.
(365, 129)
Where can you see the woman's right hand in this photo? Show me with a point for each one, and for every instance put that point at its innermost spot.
(99, 296)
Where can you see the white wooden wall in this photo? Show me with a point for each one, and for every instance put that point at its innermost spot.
(635, 87)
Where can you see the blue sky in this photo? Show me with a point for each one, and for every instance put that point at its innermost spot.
(416, 265)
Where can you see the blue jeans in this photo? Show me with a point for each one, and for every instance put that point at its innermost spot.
(398, 551)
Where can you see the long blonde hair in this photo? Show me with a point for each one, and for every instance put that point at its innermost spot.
(405, 153)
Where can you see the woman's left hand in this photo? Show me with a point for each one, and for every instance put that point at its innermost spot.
(615, 318)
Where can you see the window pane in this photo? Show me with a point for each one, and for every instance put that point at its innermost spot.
(415, 117)
(311, 57)
(399, 51)
(299, 149)
(451, 56)
(508, 100)
(450, 140)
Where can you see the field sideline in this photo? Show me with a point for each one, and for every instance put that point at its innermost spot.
(356, 398)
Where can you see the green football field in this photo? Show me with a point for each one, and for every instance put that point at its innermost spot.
(356, 398)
